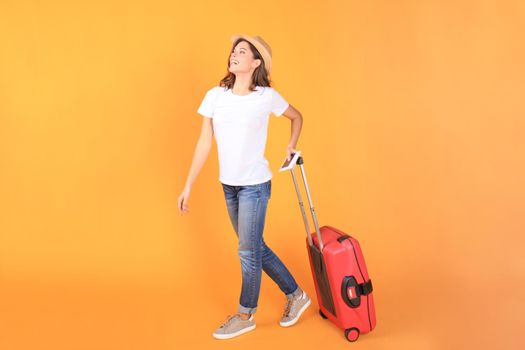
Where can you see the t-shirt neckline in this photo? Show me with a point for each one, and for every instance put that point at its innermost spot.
(251, 93)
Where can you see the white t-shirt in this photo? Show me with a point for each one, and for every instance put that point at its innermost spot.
(240, 125)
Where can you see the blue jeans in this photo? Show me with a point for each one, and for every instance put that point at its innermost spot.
(247, 209)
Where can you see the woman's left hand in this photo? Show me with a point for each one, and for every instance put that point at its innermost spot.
(289, 151)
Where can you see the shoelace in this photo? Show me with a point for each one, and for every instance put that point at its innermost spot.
(288, 308)
(289, 304)
(228, 320)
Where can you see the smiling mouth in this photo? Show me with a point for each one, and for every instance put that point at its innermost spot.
(234, 62)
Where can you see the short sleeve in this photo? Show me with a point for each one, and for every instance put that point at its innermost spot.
(279, 104)
(208, 104)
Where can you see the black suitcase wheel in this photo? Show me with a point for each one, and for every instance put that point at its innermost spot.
(322, 315)
(352, 334)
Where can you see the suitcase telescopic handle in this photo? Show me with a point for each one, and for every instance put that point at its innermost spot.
(300, 161)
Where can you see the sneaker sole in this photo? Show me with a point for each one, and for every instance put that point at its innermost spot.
(233, 335)
(294, 321)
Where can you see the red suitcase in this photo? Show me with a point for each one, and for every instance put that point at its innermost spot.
(342, 285)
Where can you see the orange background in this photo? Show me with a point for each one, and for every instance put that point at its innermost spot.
(413, 142)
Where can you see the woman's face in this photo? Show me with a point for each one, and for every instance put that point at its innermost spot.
(241, 59)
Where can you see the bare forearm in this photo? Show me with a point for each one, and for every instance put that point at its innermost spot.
(202, 151)
(297, 124)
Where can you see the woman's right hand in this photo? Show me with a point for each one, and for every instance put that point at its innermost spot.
(183, 200)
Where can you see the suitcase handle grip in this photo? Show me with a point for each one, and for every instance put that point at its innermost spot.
(300, 161)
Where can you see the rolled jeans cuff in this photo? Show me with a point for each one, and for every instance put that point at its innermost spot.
(297, 292)
(247, 310)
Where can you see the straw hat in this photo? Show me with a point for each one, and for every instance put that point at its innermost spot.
(261, 46)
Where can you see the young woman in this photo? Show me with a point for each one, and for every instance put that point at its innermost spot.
(237, 114)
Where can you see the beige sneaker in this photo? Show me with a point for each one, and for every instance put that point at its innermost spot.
(294, 309)
(233, 327)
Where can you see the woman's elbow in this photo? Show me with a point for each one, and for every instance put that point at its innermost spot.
(297, 114)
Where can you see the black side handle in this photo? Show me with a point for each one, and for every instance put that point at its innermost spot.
(351, 291)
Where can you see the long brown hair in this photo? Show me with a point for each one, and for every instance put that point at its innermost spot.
(260, 76)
